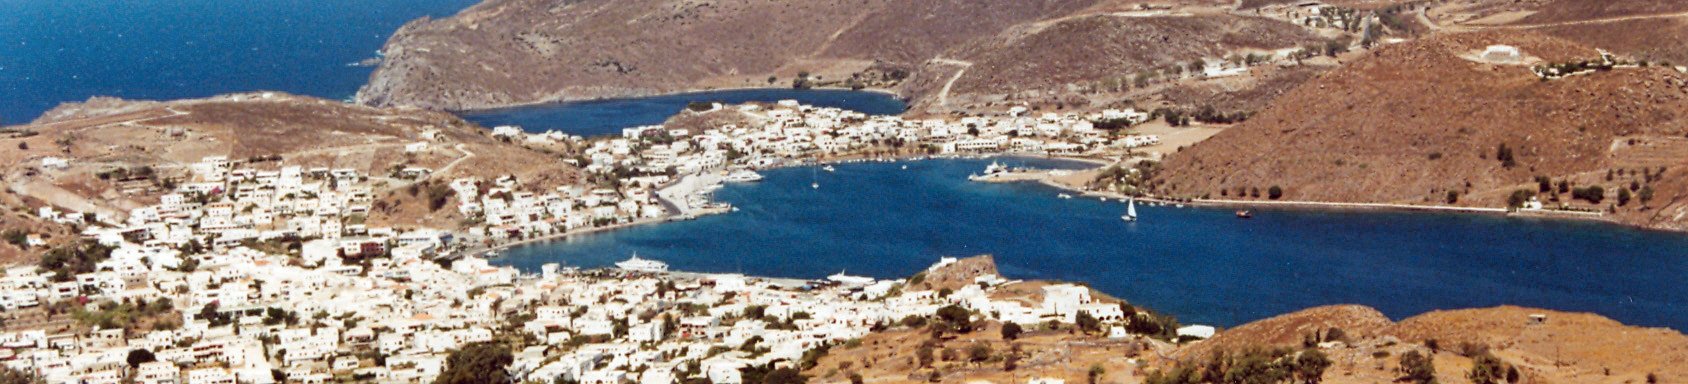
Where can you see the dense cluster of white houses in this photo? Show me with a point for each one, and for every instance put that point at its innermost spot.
(788, 130)
(396, 319)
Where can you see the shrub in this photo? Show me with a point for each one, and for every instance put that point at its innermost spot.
(979, 352)
(1011, 331)
(1088, 323)
(1504, 154)
(1310, 367)
(1593, 194)
(1487, 370)
(1417, 368)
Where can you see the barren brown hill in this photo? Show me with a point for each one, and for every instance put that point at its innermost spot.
(105, 134)
(1351, 321)
(1075, 61)
(1655, 39)
(506, 52)
(1565, 348)
(1100, 46)
(1561, 11)
(1410, 122)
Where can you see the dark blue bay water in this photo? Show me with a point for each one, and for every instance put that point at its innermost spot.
(609, 116)
(1204, 265)
(69, 50)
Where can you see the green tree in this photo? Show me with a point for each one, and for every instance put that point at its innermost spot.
(140, 356)
(979, 352)
(1088, 323)
(1096, 372)
(1453, 197)
(480, 363)
(924, 355)
(1275, 192)
(957, 319)
(1623, 196)
(1011, 331)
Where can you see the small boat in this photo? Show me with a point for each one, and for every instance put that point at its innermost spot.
(1244, 214)
(829, 168)
(815, 185)
(905, 167)
(1130, 210)
(1064, 196)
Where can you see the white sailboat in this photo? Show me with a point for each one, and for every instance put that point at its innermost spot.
(1130, 210)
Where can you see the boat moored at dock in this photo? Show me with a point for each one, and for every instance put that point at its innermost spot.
(642, 265)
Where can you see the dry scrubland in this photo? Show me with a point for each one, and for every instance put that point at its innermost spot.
(1361, 344)
(1409, 123)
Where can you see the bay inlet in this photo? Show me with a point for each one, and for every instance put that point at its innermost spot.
(1202, 264)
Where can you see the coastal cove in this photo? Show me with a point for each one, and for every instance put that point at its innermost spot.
(1202, 264)
(61, 51)
(609, 116)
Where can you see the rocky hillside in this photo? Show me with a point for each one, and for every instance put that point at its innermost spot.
(1412, 123)
(1074, 55)
(264, 130)
(980, 53)
(506, 52)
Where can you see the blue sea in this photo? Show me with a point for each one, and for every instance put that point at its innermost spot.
(1204, 265)
(609, 116)
(70, 50)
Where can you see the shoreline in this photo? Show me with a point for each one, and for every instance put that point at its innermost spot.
(796, 163)
(688, 91)
(1046, 179)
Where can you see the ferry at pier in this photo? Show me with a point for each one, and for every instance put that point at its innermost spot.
(743, 176)
(642, 265)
